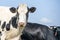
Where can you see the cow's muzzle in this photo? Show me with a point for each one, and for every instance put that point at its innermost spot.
(21, 24)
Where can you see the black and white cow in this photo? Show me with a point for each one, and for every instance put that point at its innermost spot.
(11, 22)
(33, 31)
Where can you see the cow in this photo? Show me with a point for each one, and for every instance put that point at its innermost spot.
(33, 31)
(11, 26)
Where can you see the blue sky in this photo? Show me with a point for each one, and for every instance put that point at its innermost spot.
(47, 11)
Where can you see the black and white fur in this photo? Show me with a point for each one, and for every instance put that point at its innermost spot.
(10, 23)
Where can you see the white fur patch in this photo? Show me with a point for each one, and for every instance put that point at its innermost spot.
(2, 35)
(14, 34)
(5, 14)
(22, 10)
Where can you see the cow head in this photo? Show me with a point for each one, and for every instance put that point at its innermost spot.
(23, 11)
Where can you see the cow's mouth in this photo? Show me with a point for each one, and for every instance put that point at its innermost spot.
(21, 25)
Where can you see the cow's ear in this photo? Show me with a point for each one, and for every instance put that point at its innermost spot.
(13, 9)
(32, 9)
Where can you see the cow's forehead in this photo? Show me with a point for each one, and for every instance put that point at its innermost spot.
(22, 8)
(23, 5)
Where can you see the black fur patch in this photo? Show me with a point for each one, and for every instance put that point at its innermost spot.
(8, 27)
(36, 31)
(0, 33)
(27, 16)
(0, 22)
(14, 24)
(3, 25)
(26, 36)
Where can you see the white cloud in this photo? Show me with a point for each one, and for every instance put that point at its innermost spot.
(45, 20)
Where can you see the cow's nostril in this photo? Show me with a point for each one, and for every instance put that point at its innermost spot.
(21, 24)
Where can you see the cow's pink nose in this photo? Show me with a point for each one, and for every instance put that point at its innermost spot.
(21, 24)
